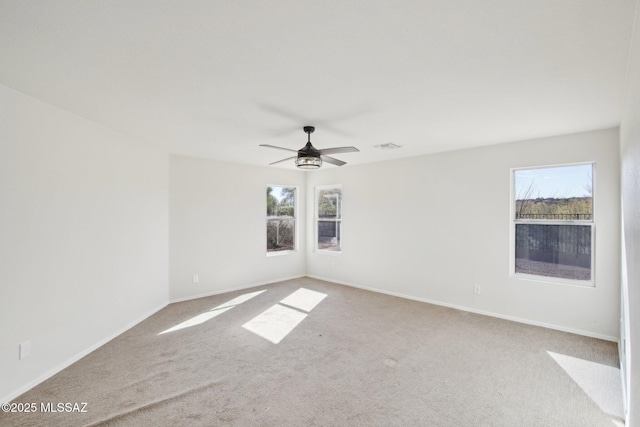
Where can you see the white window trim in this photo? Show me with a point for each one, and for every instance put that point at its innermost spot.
(512, 230)
(295, 221)
(316, 219)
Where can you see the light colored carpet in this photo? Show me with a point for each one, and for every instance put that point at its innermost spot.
(344, 357)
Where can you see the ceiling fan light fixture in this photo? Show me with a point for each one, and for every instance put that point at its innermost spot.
(308, 162)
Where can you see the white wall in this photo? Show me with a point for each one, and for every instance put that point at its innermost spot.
(630, 183)
(431, 227)
(83, 237)
(218, 227)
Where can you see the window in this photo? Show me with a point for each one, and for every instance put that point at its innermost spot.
(329, 219)
(281, 219)
(553, 223)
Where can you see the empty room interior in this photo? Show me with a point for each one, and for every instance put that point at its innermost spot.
(320, 213)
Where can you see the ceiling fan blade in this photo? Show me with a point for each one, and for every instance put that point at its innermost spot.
(335, 150)
(279, 148)
(332, 160)
(283, 160)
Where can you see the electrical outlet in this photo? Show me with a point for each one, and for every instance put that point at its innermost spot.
(476, 289)
(196, 279)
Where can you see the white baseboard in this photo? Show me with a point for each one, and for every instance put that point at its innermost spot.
(473, 310)
(233, 289)
(78, 356)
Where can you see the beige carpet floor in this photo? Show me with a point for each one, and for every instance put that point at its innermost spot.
(310, 353)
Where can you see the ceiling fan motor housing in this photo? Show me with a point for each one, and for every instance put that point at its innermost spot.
(308, 151)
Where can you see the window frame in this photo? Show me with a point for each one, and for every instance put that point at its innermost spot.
(295, 222)
(316, 219)
(513, 222)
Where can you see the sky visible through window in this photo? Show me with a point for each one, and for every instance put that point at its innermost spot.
(555, 182)
(276, 192)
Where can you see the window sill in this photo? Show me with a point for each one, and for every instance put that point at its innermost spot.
(280, 253)
(326, 252)
(554, 280)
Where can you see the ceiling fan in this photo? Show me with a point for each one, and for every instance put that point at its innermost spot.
(309, 157)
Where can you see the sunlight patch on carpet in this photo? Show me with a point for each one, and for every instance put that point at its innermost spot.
(600, 382)
(196, 320)
(216, 311)
(304, 299)
(275, 323)
(239, 299)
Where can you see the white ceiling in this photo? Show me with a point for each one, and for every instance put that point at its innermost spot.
(215, 79)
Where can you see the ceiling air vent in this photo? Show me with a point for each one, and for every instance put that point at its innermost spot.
(388, 146)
